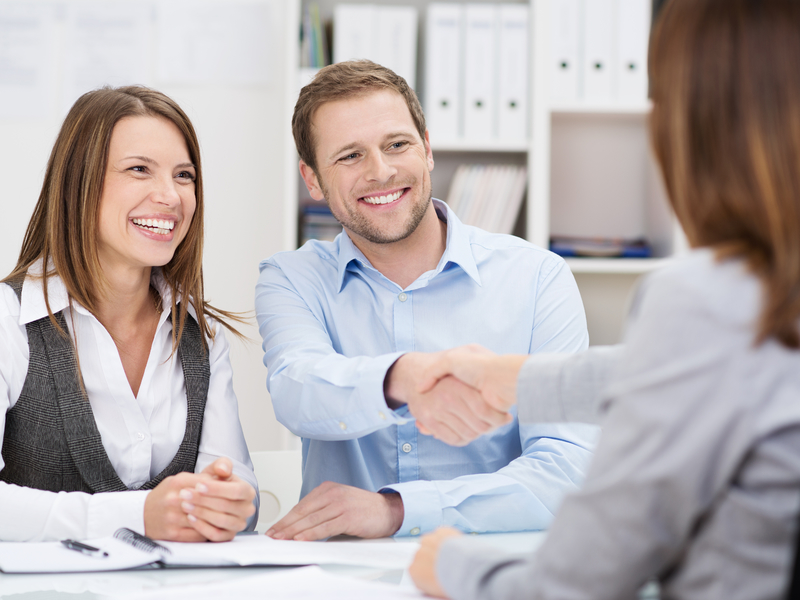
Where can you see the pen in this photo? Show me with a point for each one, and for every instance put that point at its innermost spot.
(84, 548)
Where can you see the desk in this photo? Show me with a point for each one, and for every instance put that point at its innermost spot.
(142, 583)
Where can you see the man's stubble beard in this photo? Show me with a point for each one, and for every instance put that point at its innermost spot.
(360, 225)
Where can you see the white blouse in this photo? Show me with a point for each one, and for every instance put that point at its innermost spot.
(141, 434)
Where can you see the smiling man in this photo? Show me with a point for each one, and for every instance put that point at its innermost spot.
(348, 326)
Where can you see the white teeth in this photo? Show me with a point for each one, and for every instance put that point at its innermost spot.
(383, 199)
(160, 226)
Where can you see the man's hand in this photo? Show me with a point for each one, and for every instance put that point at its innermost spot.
(423, 569)
(447, 409)
(332, 509)
(187, 507)
(494, 376)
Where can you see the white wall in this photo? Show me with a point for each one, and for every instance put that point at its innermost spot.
(243, 133)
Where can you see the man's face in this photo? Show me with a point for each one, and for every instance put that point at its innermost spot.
(373, 169)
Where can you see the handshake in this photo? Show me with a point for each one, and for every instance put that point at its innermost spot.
(455, 395)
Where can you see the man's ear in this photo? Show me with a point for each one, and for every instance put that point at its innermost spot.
(428, 151)
(312, 183)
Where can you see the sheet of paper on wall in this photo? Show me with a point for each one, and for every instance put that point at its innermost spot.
(27, 59)
(215, 42)
(106, 43)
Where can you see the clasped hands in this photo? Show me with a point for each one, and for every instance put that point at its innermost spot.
(212, 505)
(455, 395)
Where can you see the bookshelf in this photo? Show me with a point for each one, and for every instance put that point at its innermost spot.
(590, 173)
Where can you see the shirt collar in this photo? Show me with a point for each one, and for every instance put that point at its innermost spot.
(458, 249)
(33, 306)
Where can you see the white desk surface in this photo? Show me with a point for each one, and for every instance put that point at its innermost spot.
(102, 586)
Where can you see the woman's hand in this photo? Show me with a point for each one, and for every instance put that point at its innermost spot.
(423, 569)
(213, 505)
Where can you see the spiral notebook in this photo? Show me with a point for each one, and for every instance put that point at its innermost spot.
(130, 550)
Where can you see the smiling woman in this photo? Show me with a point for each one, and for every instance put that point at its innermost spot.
(114, 371)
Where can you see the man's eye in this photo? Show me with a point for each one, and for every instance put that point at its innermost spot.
(399, 144)
(352, 156)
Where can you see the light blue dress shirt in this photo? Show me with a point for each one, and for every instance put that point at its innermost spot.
(332, 326)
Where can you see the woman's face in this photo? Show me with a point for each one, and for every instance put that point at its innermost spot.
(148, 198)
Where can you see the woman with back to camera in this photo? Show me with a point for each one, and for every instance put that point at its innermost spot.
(116, 402)
(696, 478)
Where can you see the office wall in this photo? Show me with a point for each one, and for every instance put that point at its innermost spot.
(243, 132)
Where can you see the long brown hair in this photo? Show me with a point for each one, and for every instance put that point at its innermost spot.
(63, 228)
(725, 83)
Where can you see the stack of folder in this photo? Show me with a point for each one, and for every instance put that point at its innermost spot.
(488, 196)
(476, 72)
(598, 51)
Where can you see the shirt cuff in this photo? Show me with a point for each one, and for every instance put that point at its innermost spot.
(422, 506)
(108, 511)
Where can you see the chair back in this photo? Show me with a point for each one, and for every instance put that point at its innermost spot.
(280, 477)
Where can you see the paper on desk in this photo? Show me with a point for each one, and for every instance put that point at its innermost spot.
(53, 557)
(298, 584)
(261, 550)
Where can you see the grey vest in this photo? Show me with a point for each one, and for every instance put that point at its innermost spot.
(51, 441)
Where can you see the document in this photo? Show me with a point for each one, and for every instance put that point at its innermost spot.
(244, 550)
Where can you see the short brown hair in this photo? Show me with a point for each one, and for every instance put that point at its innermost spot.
(338, 82)
(725, 127)
(63, 228)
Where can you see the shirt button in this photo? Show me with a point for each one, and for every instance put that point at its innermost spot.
(342, 425)
(402, 297)
(414, 531)
(381, 415)
(140, 436)
(406, 448)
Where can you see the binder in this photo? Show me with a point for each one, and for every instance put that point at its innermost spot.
(599, 24)
(354, 28)
(565, 42)
(633, 32)
(480, 58)
(395, 40)
(443, 70)
(386, 35)
(512, 88)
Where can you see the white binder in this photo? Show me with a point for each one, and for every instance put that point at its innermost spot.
(386, 35)
(480, 52)
(353, 31)
(395, 41)
(443, 70)
(633, 32)
(599, 25)
(512, 88)
(565, 51)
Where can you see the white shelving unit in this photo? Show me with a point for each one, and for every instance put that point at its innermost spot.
(590, 173)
